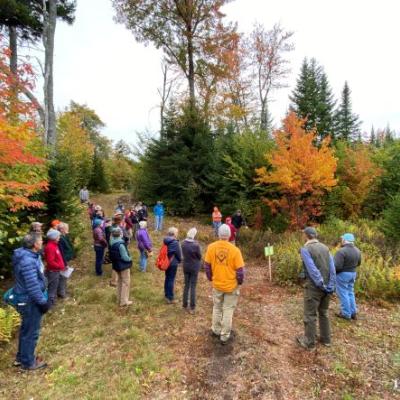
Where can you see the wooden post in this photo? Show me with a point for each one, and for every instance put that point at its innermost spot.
(269, 266)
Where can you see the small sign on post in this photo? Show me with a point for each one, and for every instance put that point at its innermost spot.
(269, 251)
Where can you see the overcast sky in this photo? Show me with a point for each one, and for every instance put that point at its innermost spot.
(97, 61)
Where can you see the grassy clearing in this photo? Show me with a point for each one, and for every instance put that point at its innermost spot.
(156, 351)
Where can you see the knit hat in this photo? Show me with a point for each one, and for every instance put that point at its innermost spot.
(143, 224)
(97, 222)
(310, 231)
(53, 234)
(224, 231)
(55, 223)
(116, 232)
(191, 233)
(348, 237)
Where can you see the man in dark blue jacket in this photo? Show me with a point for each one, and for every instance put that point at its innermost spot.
(175, 255)
(32, 301)
(347, 259)
(320, 284)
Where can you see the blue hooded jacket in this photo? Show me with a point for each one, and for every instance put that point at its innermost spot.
(29, 280)
(174, 250)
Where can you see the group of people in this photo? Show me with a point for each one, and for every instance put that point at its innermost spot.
(39, 280)
(38, 284)
(324, 274)
(235, 223)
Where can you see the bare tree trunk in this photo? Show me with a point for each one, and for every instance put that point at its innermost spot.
(192, 95)
(164, 94)
(14, 49)
(49, 29)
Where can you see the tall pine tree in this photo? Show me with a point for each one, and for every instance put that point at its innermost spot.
(312, 99)
(347, 124)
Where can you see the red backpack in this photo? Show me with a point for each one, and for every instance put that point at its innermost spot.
(163, 262)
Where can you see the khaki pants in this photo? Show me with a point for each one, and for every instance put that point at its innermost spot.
(123, 285)
(114, 278)
(224, 306)
(316, 305)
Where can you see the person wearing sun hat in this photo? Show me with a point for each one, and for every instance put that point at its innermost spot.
(347, 259)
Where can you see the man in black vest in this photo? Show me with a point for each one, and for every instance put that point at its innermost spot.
(320, 284)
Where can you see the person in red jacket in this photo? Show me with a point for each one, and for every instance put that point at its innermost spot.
(232, 238)
(54, 265)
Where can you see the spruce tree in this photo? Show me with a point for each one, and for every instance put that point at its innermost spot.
(312, 98)
(98, 181)
(347, 124)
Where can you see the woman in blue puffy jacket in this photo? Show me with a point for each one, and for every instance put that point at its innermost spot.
(32, 301)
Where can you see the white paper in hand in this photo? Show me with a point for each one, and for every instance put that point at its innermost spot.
(67, 273)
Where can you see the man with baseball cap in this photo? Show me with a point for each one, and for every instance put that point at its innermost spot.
(224, 267)
(347, 259)
(320, 284)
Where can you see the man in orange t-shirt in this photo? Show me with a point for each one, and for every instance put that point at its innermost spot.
(216, 220)
(224, 267)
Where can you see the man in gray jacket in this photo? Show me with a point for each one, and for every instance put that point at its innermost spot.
(320, 284)
(347, 259)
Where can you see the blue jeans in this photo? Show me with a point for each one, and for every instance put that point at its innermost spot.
(169, 283)
(99, 259)
(216, 226)
(28, 333)
(159, 222)
(345, 291)
(143, 260)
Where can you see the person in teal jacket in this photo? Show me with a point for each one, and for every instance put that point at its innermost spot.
(159, 215)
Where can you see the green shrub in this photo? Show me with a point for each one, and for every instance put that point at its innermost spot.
(391, 220)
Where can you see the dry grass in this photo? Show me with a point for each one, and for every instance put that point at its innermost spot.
(157, 351)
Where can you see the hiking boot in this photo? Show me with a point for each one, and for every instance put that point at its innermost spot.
(303, 342)
(39, 364)
(340, 315)
(128, 303)
(354, 316)
(230, 338)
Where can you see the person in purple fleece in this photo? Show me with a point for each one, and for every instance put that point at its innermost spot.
(144, 245)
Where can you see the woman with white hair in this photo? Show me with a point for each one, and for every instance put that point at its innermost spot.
(191, 266)
(144, 245)
(175, 257)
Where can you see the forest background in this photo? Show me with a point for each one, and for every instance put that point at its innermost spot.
(216, 144)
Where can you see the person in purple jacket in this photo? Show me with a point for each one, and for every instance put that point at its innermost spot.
(144, 245)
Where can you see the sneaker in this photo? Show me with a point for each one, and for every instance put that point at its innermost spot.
(128, 303)
(230, 338)
(16, 363)
(39, 364)
(169, 301)
(340, 315)
(303, 342)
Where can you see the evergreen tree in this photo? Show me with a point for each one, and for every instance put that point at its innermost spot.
(347, 124)
(178, 167)
(372, 137)
(312, 98)
(325, 108)
(98, 180)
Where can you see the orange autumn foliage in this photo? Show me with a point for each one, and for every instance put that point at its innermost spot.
(301, 172)
(356, 172)
(22, 165)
